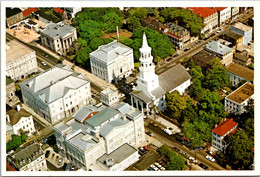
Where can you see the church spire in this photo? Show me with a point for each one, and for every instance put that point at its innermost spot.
(145, 47)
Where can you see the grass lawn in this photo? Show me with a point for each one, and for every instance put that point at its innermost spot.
(121, 37)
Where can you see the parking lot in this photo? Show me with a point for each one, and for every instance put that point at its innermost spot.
(52, 157)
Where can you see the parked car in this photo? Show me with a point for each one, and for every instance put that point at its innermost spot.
(43, 63)
(187, 49)
(210, 158)
(176, 55)
(60, 161)
(150, 134)
(169, 132)
(198, 42)
(219, 30)
(203, 166)
(209, 152)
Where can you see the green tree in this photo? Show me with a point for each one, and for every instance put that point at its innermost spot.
(189, 114)
(217, 77)
(240, 149)
(248, 126)
(111, 20)
(95, 43)
(197, 132)
(134, 16)
(83, 56)
(175, 162)
(175, 103)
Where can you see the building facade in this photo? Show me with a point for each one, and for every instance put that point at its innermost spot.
(112, 61)
(240, 73)
(221, 134)
(20, 60)
(224, 15)
(224, 53)
(234, 12)
(31, 158)
(13, 16)
(239, 99)
(244, 30)
(11, 98)
(178, 35)
(20, 121)
(96, 131)
(109, 96)
(56, 93)
(151, 88)
(209, 18)
(58, 37)
(242, 58)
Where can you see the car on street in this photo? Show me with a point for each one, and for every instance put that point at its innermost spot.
(176, 55)
(203, 166)
(210, 158)
(209, 152)
(43, 63)
(150, 133)
(219, 30)
(60, 161)
(169, 132)
(187, 49)
(198, 42)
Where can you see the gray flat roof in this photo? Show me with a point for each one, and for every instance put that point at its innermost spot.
(101, 117)
(109, 52)
(57, 29)
(16, 51)
(217, 47)
(118, 155)
(123, 108)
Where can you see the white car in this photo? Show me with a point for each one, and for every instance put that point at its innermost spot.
(219, 30)
(169, 132)
(43, 63)
(210, 158)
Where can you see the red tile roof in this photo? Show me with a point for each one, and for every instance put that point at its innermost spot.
(220, 8)
(202, 11)
(173, 35)
(58, 10)
(9, 167)
(224, 127)
(29, 11)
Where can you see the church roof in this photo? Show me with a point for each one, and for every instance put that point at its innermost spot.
(173, 77)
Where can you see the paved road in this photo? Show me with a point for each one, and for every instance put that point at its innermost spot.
(171, 141)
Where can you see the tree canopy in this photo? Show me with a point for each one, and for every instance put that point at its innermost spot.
(176, 162)
(134, 16)
(241, 149)
(184, 17)
(160, 44)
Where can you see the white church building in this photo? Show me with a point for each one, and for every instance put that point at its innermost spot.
(151, 88)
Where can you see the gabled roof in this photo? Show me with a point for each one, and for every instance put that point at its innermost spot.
(54, 83)
(85, 112)
(29, 11)
(15, 116)
(224, 127)
(58, 29)
(58, 10)
(204, 12)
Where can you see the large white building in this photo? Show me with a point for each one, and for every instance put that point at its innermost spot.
(237, 101)
(58, 37)
(20, 60)
(20, 120)
(98, 130)
(56, 93)
(151, 88)
(112, 61)
(31, 158)
(221, 134)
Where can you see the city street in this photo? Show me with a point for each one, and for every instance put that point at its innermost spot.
(172, 142)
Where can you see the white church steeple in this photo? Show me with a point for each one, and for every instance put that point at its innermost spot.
(147, 80)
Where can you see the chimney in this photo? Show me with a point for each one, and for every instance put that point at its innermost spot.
(18, 108)
(216, 125)
(117, 33)
(7, 118)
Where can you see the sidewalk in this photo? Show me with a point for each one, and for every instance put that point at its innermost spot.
(159, 119)
(35, 115)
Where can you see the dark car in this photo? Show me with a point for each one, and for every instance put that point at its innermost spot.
(187, 49)
(206, 38)
(203, 166)
(198, 42)
(176, 55)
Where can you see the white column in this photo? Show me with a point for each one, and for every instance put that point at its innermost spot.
(132, 101)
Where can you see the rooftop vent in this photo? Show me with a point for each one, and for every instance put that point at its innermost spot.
(109, 162)
(61, 25)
